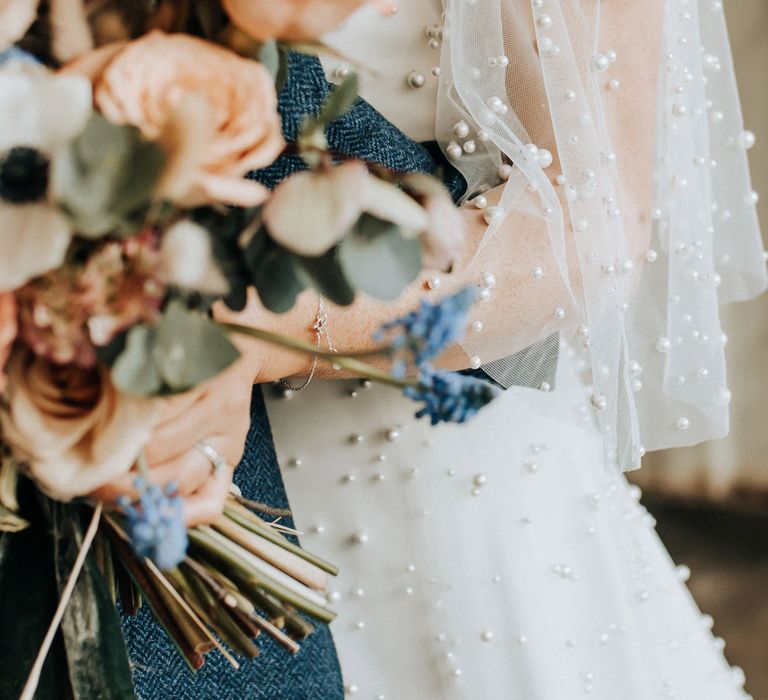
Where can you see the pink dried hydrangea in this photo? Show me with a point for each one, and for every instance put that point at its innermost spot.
(69, 312)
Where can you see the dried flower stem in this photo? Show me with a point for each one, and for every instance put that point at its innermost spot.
(253, 523)
(348, 362)
(164, 614)
(34, 675)
(263, 507)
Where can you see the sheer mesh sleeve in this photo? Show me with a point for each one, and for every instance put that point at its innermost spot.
(629, 220)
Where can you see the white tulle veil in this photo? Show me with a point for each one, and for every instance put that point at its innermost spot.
(640, 290)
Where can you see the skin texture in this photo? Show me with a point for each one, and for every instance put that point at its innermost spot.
(218, 411)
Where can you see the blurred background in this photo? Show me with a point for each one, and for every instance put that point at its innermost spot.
(711, 501)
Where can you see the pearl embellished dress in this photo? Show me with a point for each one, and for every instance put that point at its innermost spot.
(508, 558)
(492, 560)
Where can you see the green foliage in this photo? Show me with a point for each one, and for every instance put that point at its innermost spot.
(326, 275)
(273, 273)
(105, 178)
(377, 259)
(184, 349)
(229, 251)
(340, 100)
(274, 57)
(312, 133)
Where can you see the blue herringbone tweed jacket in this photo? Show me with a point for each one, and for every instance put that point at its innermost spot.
(159, 672)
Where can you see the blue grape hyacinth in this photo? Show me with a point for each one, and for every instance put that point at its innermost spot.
(427, 331)
(155, 525)
(449, 397)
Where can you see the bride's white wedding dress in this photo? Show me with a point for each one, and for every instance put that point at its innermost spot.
(492, 560)
(508, 558)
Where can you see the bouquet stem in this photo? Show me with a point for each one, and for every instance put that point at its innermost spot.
(348, 362)
(34, 675)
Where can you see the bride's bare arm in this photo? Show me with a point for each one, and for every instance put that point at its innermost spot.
(535, 296)
(352, 327)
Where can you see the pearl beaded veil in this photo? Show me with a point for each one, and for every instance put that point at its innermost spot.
(633, 260)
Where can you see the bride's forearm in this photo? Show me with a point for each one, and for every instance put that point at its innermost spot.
(521, 309)
(350, 328)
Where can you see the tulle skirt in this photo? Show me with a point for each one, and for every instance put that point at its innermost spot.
(496, 559)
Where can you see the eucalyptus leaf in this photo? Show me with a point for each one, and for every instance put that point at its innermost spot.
(378, 260)
(281, 77)
(185, 349)
(229, 251)
(340, 100)
(134, 371)
(190, 348)
(326, 275)
(105, 178)
(276, 280)
(269, 56)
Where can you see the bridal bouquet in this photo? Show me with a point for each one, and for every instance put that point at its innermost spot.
(127, 208)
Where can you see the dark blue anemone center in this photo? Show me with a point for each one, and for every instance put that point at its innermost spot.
(23, 175)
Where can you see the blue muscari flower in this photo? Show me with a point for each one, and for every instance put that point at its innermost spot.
(156, 524)
(449, 397)
(426, 332)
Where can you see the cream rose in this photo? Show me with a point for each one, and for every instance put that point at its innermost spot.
(71, 426)
(331, 201)
(213, 111)
(291, 20)
(444, 239)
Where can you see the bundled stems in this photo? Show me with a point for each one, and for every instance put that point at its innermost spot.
(236, 568)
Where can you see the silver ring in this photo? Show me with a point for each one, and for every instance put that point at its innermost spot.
(219, 463)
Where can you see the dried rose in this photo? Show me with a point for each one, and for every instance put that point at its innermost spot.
(73, 429)
(213, 111)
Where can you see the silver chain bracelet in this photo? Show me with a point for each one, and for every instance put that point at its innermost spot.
(320, 327)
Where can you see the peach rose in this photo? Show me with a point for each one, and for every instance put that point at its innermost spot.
(71, 426)
(213, 111)
(8, 329)
(293, 20)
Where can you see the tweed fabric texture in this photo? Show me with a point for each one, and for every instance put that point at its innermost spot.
(362, 132)
(159, 673)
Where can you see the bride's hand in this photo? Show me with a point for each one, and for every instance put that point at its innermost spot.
(216, 413)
